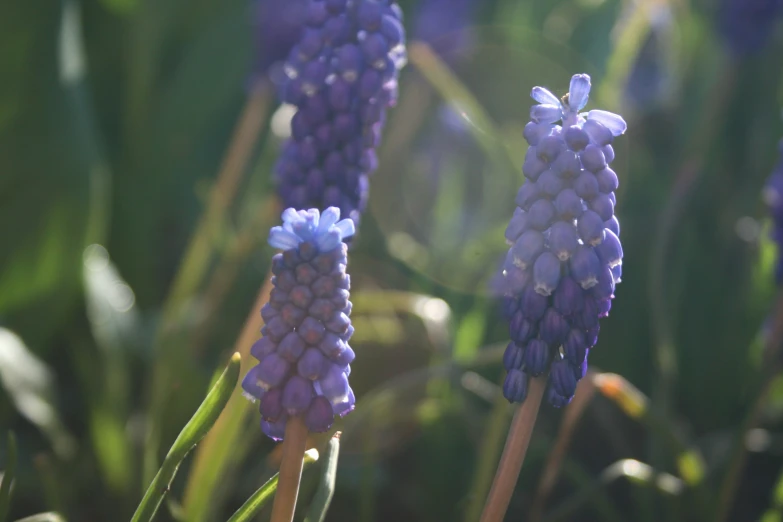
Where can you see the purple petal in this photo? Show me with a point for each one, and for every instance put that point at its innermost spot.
(283, 239)
(543, 96)
(545, 113)
(579, 91)
(614, 122)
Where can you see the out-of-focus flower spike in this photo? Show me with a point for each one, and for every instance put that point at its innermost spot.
(342, 77)
(278, 25)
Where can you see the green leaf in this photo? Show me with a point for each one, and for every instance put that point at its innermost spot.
(325, 492)
(9, 473)
(50, 153)
(258, 500)
(191, 434)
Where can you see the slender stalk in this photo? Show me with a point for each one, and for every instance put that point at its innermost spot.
(491, 446)
(573, 413)
(294, 446)
(253, 505)
(517, 442)
(323, 496)
(771, 368)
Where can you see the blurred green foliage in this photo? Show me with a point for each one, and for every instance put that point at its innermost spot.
(115, 116)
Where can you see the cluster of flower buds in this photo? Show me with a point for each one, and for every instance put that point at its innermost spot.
(342, 76)
(773, 197)
(304, 356)
(565, 257)
(277, 27)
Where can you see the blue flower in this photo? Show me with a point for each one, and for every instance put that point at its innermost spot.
(342, 76)
(277, 27)
(304, 356)
(565, 255)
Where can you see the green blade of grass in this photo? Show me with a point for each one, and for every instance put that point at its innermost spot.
(191, 434)
(259, 499)
(325, 492)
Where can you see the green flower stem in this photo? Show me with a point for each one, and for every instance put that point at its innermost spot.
(253, 506)
(9, 473)
(517, 442)
(323, 496)
(191, 434)
(294, 446)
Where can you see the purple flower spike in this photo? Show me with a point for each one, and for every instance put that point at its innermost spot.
(307, 325)
(278, 27)
(565, 256)
(342, 77)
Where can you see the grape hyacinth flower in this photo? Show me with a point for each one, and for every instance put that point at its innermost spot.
(304, 356)
(746, 25)
(565, 257)
(277, 28)
(341, 76)
(773, 197)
